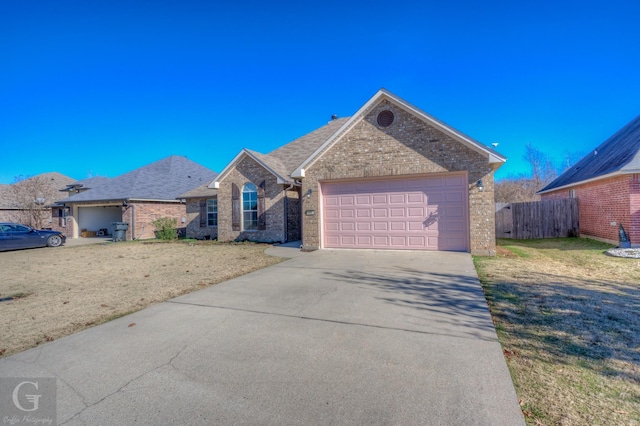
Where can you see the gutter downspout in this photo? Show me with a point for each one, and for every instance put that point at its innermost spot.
(133, 221)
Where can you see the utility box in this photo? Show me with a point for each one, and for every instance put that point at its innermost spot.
(120, 231)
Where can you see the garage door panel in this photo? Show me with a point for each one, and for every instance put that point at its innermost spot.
(363, 200)
(415, 212)
(415, 226)
(379, 199)
(425, 213)
(380, 226)
(347, 226)
(380, 241)
(397, 199)
(398, 226)
(398, 241)
(379, 212)
(363, 226)
(347, 214)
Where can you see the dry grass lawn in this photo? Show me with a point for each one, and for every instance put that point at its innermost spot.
(63, 290)
(568, 318)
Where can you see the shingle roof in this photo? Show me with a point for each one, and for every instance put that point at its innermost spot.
(163, 180)
(85, 184)
(294, 153)
(203, 191)
(619, 153)
(52, 182)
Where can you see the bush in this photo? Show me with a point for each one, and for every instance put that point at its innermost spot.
(166, 228)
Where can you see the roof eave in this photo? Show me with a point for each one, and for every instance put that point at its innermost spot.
(582, 182)
(245, 152)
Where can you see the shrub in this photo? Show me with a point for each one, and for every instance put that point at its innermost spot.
(166, 228)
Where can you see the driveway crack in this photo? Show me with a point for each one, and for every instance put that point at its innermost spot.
(87, 406)
(357, 324)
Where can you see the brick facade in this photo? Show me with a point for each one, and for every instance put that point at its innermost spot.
(193, 227)
(408, 147)
(145, 213)
(604, 205)
(247, 170)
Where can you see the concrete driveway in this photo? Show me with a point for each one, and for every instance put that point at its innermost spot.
(330, 337)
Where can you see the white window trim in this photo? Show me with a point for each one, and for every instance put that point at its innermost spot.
(213, 201)
(243, 210)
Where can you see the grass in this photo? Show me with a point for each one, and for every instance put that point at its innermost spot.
(568, 319)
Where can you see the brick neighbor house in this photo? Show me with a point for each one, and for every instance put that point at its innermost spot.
(138, 197)
(41, 189)
(389, 177)
(606, 183)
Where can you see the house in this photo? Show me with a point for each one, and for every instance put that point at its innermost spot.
(202, 212)
(606, 183)
(389, 177)
(27, 201)
(138, 198)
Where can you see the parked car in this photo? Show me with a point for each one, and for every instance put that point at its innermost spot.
(15, 236)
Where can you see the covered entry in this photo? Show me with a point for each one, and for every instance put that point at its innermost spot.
(427, 212)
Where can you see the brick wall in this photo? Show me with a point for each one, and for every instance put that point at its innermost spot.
(605, 204)
(193, 228)
(409, 146)
(248, 170)
(146, 213)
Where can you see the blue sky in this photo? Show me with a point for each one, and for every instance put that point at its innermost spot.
(102, 88)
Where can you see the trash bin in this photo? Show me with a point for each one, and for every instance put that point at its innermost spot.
(120, 231)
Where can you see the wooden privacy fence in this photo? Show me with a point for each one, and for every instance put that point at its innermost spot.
(538, 219)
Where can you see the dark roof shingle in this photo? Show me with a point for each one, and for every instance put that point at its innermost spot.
(163, 180)
(619, 153)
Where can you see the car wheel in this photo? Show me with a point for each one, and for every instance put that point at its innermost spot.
(54, 241)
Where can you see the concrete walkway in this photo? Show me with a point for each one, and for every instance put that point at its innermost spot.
(329, 337)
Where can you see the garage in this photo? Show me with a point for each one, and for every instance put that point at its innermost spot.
(96, 218)
(411, 213)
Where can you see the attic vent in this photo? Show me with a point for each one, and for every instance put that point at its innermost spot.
(385, 118)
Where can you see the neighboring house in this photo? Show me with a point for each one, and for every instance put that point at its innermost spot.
(606, 183)
(202, 212)
(138, 198)
(389, 177)
(18, 200)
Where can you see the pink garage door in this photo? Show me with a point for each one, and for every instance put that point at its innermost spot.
(425, 213)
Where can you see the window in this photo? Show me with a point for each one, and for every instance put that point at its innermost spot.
(572, 193)
(249, 207)
(212, 212)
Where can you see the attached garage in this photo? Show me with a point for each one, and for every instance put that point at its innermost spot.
(95, 218)
(428, 212)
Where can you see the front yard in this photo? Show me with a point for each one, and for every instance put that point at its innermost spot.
(568, 319)
(64, 290)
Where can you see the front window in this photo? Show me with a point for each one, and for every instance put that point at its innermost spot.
(212, 212)
(249, 207)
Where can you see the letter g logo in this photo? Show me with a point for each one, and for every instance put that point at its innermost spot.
(31, 398)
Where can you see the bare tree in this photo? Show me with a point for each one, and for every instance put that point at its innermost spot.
(32, 198)
(523, 187)
(542, 169)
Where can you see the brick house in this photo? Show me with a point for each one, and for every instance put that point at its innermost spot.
(138, 197)
(43, 188)
(389, 177)
(606, 183)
